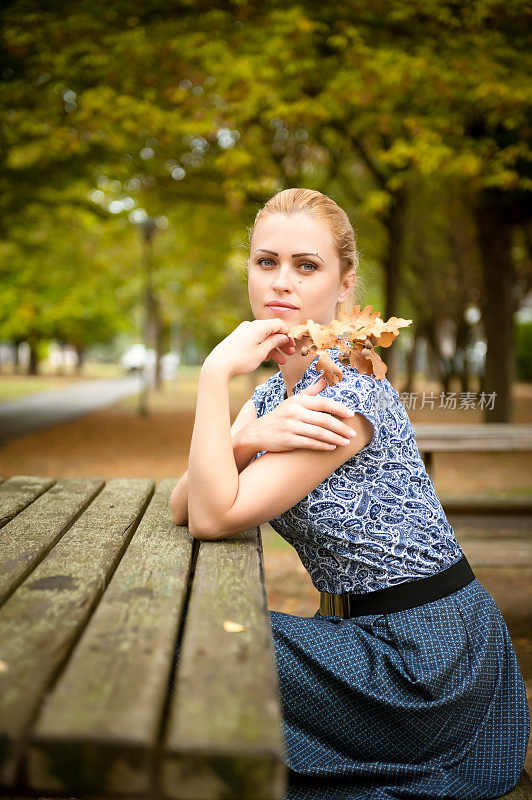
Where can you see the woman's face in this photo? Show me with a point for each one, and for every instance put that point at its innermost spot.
(293, 260)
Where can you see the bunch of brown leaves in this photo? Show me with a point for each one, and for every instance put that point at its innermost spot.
(355, 335)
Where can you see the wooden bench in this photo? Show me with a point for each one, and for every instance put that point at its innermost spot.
(135, 661)
(501, 438)
(478, 438)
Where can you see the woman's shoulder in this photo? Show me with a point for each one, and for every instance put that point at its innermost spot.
(265, 392)
(362, 393)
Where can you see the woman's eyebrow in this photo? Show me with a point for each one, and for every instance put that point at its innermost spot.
(294, 255)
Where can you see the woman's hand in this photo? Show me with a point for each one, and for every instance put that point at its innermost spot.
(306, 421)
(250, 344)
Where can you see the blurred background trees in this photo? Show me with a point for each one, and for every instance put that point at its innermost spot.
(414, 116)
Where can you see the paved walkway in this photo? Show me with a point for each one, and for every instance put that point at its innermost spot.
(41, 410)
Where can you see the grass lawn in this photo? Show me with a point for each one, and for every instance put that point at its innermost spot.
(13, 385)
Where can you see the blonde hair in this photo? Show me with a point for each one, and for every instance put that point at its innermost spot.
(319, 206)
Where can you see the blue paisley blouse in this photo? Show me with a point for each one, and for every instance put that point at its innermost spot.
(376, 520)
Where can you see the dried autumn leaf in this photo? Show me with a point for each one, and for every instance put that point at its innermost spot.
(331, 371)
(233, 627)
(349, 334)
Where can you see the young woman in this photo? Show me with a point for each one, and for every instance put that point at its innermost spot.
(405, 683)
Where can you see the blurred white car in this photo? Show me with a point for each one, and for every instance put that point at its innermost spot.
(137, 357)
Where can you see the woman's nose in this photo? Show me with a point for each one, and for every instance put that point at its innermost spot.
(283, 278)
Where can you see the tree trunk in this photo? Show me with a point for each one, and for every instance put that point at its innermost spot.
(159, 334)
(395, 225)
(442, 363)
(411, 365)
(80, 351)
(462, 340)
(33, 366)
(16, 356)
(495, 244)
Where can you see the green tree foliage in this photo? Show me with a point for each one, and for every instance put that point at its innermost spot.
(64, 276)
(223, 103)
(431, 90)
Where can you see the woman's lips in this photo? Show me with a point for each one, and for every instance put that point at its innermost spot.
(280, 309)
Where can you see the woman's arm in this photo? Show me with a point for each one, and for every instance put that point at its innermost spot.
(245, 446)
(223, 502)
(306, 420)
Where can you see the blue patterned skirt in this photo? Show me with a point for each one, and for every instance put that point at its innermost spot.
(423, 703)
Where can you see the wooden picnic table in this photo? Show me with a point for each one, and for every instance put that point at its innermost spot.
(135, 661)
(478, 438)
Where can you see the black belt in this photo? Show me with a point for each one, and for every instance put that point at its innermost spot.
(408, 594)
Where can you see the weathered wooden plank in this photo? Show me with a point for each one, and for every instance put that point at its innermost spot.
(42, 620)
(442, 437)
(497, 552)
(98, 729)
(18, 492)
(472, 446)
(224, 731)
(494, 506)
(469, 525)
(501, 430)
(36, 529)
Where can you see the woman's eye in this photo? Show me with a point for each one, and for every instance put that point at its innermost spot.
(304, 264)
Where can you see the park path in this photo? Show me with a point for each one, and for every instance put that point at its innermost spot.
(43, 409)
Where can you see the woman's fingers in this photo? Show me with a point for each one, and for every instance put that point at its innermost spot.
(287, 346)
(274, 343)
(326, 419)
(325, 404)
(321, 413)
(305, 443)
(335, 434)
(284, 346)
(315, 387)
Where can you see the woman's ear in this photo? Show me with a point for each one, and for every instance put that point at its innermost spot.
(347, 284)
